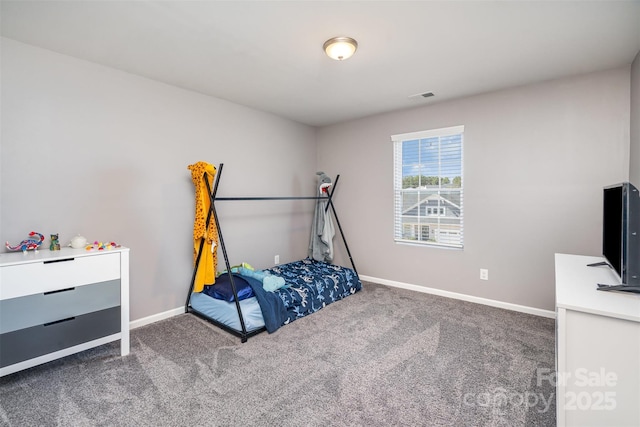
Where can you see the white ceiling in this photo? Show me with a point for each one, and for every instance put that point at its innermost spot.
(268, 54)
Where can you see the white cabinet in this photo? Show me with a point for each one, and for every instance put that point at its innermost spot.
(597, 347)
(56, 303)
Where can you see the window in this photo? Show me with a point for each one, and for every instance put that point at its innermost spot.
(428, 187)
(425, 232)
(434, 211)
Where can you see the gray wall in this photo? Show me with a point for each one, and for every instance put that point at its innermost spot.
(94, 151)
(535, 161)
(634, 158)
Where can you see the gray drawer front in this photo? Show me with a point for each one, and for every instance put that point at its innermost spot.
(25, 344)
(33, 310)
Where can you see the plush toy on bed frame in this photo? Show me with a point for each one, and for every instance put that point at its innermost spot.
(32, 243)
(325, 182)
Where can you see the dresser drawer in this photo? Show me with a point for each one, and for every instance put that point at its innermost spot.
(25, 344)
(37, 309)
(45, 276)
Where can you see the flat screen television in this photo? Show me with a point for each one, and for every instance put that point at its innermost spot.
(620, 239)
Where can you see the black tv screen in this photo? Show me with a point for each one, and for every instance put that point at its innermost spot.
(620, 245)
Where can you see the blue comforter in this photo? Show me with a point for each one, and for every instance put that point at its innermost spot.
(311, 285)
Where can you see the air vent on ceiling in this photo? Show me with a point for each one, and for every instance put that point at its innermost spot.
(422, 95)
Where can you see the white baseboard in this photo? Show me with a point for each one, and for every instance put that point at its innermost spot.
(463, 297)
(156, 317)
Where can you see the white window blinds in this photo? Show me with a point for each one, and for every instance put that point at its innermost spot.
(428, 187)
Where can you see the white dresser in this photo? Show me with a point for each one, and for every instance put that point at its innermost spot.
(56, 303)
(598, 347)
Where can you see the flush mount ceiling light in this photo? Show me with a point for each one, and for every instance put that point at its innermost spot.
(340, 48)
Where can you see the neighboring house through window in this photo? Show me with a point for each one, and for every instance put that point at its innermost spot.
(428, 187)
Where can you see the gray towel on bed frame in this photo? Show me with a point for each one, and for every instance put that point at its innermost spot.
(322, 230)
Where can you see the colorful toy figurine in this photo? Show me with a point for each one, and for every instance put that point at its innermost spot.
(101, 246)
(55, 243)
(32, 243)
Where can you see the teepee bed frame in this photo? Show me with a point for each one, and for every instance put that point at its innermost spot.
(310, 284)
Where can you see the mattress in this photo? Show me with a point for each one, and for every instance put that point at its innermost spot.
(227, 313)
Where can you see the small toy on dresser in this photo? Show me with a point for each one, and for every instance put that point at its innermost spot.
(32, 243)
(78, 242)
(55, 243)
(101, 246)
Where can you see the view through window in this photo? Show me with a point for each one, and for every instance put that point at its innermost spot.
(428, 187)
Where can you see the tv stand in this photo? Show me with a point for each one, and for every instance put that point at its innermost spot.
(597, 347)
(622, 288)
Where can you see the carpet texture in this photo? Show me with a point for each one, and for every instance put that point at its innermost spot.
(384, 356)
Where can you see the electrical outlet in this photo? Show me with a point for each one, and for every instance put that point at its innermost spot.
(276, 259)
(484, 274)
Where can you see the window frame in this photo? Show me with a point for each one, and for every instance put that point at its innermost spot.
(434, 230)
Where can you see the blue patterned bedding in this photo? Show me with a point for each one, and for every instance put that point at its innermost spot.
(311, 285)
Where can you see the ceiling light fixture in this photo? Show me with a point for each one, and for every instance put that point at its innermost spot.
(340, 48)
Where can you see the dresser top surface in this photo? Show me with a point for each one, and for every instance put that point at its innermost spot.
(576, 289)
(18, 257)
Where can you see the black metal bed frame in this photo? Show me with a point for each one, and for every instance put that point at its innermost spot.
(244, 334)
